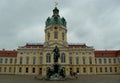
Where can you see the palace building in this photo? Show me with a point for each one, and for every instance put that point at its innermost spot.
(34, 59)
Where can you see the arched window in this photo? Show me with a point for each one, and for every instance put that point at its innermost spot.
(84, 61)
(62, 36)
(63, 58)
(21, 60)
(41, 59)
(34, 60)
(27, 60)
(55, 35)
(48, 36)
(48, 58)
(77, 60)
(90, 60)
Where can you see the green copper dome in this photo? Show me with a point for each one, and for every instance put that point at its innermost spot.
(55, 19)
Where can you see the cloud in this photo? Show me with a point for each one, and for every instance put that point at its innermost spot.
(94, 22)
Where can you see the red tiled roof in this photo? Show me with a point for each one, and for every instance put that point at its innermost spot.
(8, 53)
(107, 53)
(33, 45)
(77, 45)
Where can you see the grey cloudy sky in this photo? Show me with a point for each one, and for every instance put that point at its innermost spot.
(94, 22)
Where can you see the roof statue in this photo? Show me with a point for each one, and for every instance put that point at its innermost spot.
(56, 3)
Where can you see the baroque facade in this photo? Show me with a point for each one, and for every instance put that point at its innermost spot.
(34, 59)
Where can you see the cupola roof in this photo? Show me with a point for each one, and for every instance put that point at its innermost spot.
(55, 19)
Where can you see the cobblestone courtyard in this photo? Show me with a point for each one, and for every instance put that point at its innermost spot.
(81, 79)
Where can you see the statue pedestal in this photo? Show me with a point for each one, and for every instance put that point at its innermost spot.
(56, 76)
(55, 73)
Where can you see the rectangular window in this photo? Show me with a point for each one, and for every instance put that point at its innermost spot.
(15, 61)
(10, 69)
(70, 60)
(83, 53)
(95, 61)
(104, 60)
(55, 35)
(1, 60)
(41, 60)
(96, 70)
(91, 69)
(27, 53)
(0, 69)
(11, 60)
(109, 60)
(5, 69)
(63, 58)
(115, 69)
(14, 69)
(105, 69)
(20, 69)
(40, 71)
(77, 70)
(48, 58)
(114, 60)
(33, 70)
(84, 70)
(34, 60)
(100, 69)
(6, 60)
(77, 60)
(27, 70)
(62, 36)
(27, 60)
(34, 53)
(84, 61)
(90, 60)
(110, 69)
(77, 53)
(100, 61)
(89, 53)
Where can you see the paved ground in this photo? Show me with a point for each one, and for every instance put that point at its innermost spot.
(81, 79)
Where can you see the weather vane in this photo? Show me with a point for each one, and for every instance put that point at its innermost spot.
(56, 3)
